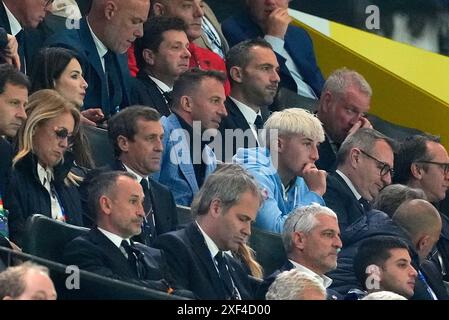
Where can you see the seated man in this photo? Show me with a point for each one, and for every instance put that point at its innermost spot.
(115, 199)
(197, 254)
(136, 135)
(162, 56)
(384, 263)
(198, 108)
(27, 281)
(423, 162)
(286, 170)
(364, 167)
(311, 240)
(294, 49)
(296, 285)
(345, 99)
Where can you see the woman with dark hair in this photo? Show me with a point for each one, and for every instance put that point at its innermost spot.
(60, 69)
(42, 180)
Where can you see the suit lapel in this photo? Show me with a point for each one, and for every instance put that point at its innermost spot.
(236, 115)
(4, 22)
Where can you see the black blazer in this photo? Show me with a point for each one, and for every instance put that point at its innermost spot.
(94, 252)
(33, 38)
(193, 268)
(328, 158)
(434, 279)
(236, 120)
(342, 201)
(145, 92)
(6, 155)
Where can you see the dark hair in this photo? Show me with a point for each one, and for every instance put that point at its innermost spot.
(239, 55)
(49, 64)
(153, 36)
(412, 149)
(102, 184)
(124, 123)
(189, 81)
(9, 74)
(375, 251)
(392, 196)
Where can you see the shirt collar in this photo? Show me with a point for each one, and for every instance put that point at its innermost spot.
(249, 114)
(213, 249)
(13, 22)
(325, 280)
(349, 183)
(101, 48)
(115, 239)
(161, 85)
(138, 176)
(44, 173)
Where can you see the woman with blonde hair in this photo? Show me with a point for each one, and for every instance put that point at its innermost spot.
(41, 178)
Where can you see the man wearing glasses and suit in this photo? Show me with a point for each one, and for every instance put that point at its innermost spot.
(422, 162)
(364, 167)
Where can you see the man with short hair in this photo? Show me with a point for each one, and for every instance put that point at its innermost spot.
(293, 46)
(198, 255)
(384, 263)
(311, 240)
(14, 87)
(344, 101)
(20, 20)
(286, 169)
(423, 162)
(27, 281)
(116, 199)
(162, 55)
(253, 72)
(198, 108)
(101, 41)
(192, 13)
(364, 167)
(136, 135)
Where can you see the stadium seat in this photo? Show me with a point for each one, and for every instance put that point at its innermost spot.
(100, 146)
(269, 249)
(184, 215)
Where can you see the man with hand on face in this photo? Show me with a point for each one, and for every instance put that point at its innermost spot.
(345, 99)
(286, 169)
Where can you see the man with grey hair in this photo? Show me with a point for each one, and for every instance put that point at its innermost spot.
(286, 169)
(345, 99)
(296, 285)
(197, 254)
(392, 196)
(27, 281)
(311, 239)
(364, 167)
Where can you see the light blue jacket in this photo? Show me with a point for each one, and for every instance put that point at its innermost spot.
(177, 171)
(277, 204)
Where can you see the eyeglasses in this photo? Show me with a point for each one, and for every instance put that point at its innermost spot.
(384, 167)
(63, 133)
(443, 165)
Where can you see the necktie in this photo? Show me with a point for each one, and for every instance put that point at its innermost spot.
(365, 204)
(225, 276)
(20, 37)
(113, 82)
(134, 257)
(148, 227)
(258, 122)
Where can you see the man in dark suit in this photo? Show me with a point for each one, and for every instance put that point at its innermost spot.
(364, 167)
(252, 69)
(116, 200)
(345, 99)
(162, 55)
(293, 46)
(102, 40)
(20, 19)
(14, 87)
(423, 162)
(136, 135)
(310, 250)
(197, 254)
